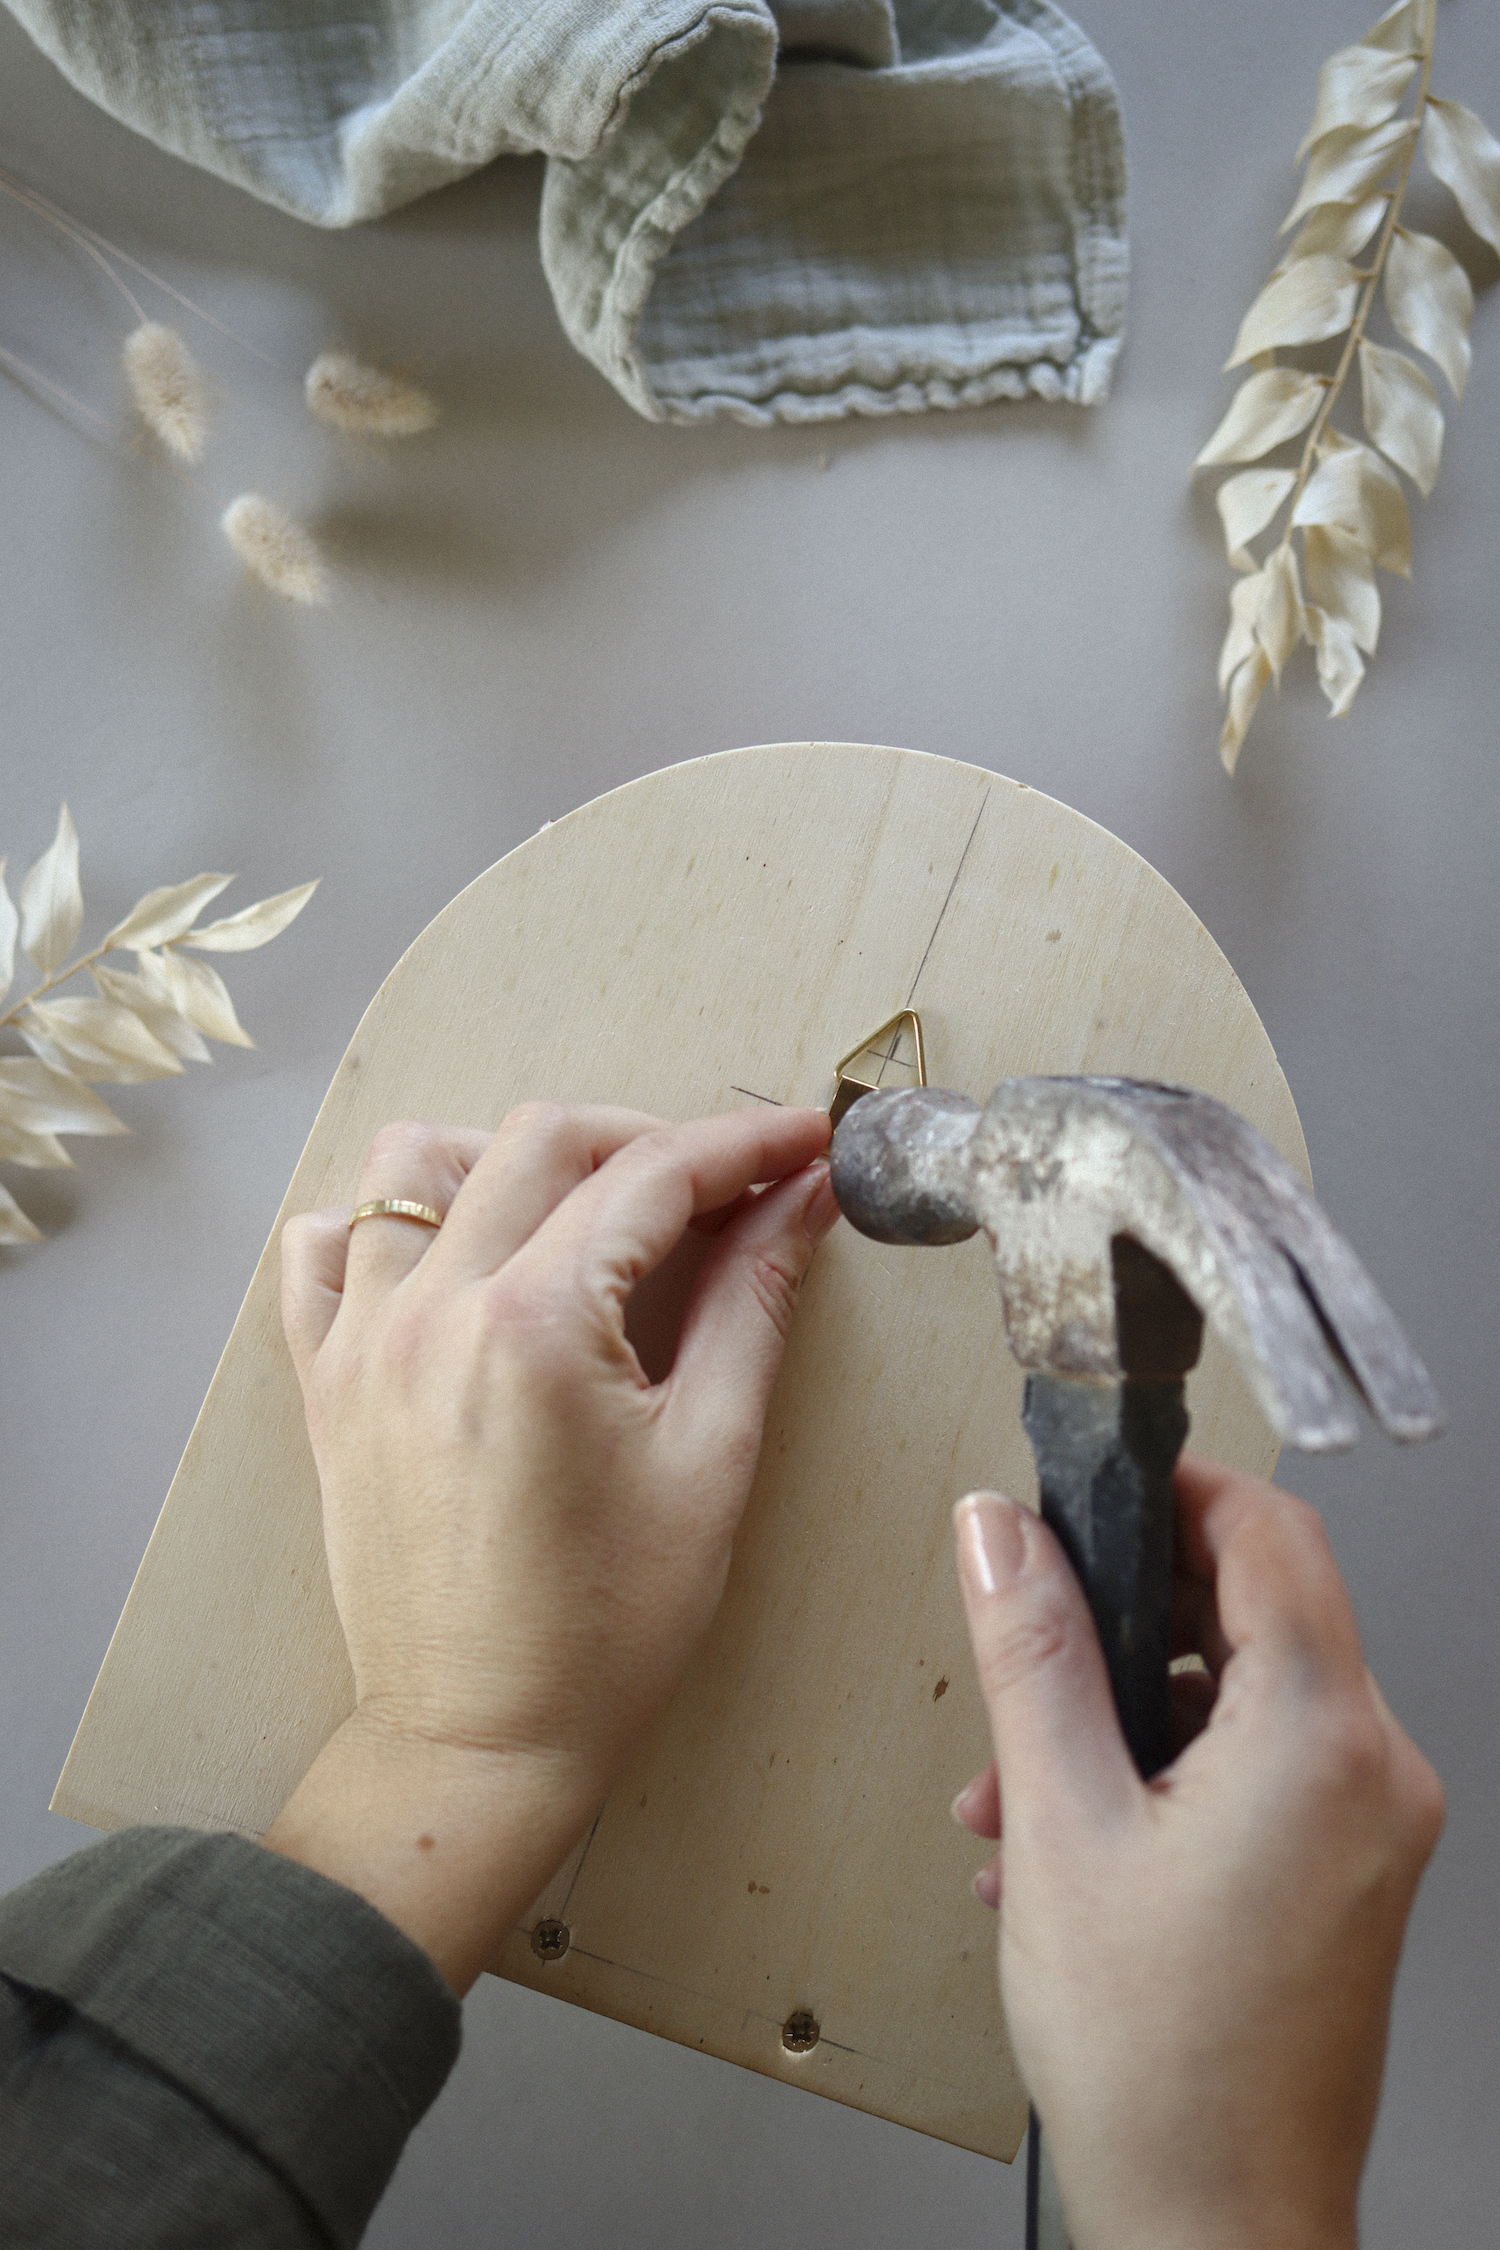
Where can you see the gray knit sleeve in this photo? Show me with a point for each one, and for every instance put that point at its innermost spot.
(201, 2041)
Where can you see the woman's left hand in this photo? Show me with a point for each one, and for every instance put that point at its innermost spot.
(526, 1536)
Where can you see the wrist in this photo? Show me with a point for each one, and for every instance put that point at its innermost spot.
(451, 1844)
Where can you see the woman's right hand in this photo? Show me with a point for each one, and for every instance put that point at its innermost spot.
(1196, 1971)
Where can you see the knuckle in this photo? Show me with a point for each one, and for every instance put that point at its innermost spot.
(399, 1141)
(1425, 1804)
(1353, 1750)
(521, 1317)
(536, 1121)
(774, 1281)
(1429, 1807)
(1027, 1635)
(298, 1232)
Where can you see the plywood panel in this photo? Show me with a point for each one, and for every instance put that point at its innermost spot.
(720, 933)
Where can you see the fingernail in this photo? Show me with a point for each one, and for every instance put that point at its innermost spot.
(986, 1886)
(821, 1214)
(964, 1799)
(991, 1540)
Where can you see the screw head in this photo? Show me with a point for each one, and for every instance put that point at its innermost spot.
(550, 1940)
(801, 2032)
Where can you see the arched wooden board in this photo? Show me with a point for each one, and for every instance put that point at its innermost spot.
(718, 933)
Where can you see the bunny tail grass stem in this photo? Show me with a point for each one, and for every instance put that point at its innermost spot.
(28, 374)
(31, 200)
(99, 246)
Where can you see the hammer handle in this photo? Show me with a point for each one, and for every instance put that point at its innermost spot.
(1104, 1455)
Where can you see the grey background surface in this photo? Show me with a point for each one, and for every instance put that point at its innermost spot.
(550, 597)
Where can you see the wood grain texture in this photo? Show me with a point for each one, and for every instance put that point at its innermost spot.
(716, 933)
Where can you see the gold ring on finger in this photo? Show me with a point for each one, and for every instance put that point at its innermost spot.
(396, 1207)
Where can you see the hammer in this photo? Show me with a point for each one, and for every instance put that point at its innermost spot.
(1122, 1216)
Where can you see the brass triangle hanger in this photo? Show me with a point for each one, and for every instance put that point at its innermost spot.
(851, 1083)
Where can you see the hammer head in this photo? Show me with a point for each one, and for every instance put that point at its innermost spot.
(1122, 1215)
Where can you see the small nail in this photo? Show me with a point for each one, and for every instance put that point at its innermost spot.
(991, 1540)
(986, 1886)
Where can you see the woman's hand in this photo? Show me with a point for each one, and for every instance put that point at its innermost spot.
(1196, 1971)
(526, 1536)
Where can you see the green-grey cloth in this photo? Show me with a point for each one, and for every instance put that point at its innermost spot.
(202, 2042)
(790, 210)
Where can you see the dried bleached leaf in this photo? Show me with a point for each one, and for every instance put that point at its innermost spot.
(1347, 500)
(1336, 230)
(15, 1227)
(1431, 302)
(1246, 504)
(1345, 165)
(42, 1152)
(51, 1101)
(165, 914)
(342, 391)
(137, 1026)
(1245, 691)
(1245, 597)
(1341, 581)
(1309, 300)
(146, 995)
(1340, 669)
(275, 549)
(1353, 489)
(1358, 86)
(1265, 411)
(95, 1039)
(1278, 621)
(10, 922)
(51, 901)
(1402, 413)
(200, 993)
(169, 390)
(1400, 30)
(253, 925)
(1465, 155)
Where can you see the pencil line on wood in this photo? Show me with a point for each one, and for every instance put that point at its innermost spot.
(948, 901)
(578, 1870)
(751, 1095)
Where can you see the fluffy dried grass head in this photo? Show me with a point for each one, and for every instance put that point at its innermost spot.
(1342, 494)
(275, 549)
(169, 389)
(365, 401)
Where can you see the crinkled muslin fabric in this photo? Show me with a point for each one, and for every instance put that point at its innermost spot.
(787, 211)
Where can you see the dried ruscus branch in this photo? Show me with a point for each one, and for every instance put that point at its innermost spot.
(137, 1024)
(1343, 495)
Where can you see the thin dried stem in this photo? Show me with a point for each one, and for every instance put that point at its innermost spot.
(32, 200)
(1352, 341)
(58, 976)
(90, 239)
(29, 374)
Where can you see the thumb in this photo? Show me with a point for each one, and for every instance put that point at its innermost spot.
(1041, 1670)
